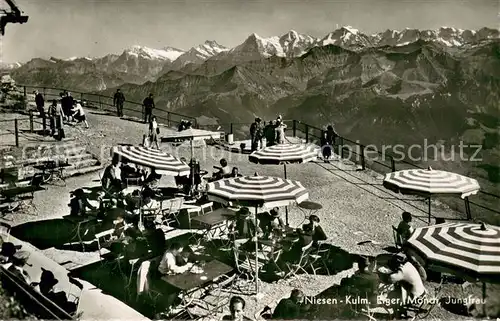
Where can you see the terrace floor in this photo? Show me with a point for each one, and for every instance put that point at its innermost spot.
(356, 207)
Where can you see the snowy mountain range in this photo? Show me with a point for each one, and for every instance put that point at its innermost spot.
(139, 64)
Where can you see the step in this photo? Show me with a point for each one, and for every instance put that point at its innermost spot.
(81, 171)
(83, 163)
(78, 158)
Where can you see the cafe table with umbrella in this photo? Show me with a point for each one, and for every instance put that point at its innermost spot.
(285, 154)
(429, 182)
(466, 249)
(163, 163)
(191, 134)
(259, 192)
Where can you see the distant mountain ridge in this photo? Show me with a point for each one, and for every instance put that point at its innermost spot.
(141, 64)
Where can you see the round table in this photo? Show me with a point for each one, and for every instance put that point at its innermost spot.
(309, 208)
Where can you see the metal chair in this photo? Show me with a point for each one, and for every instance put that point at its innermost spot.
(207, 207)
(5, 229)
(301, 266)
(317, 257)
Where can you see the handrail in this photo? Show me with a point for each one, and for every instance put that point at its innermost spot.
(103, 103)
(308, 131)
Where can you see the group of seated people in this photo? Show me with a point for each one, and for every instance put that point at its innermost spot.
(184, 124)
(14, 260)
(244, 231)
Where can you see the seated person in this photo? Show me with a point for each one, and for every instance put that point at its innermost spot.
(16, 265)
(224, 170)
(237, 309)
(318, 234)
(155, 238)
(153, 179)
(235, 172)
(112, 177)
(404, 228)
(244, 228)
(269, 221)
(407, 279)
(46, 286)
(364, 283)
(79, 203)
(173, 262)
(293, 255)
(290, 308)
(8, 251)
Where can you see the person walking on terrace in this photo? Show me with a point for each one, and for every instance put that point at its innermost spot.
(154, 131)
(40, 103)
(118, 100)
(149, 105)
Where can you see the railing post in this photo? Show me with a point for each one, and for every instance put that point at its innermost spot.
(44, 125)
(31, 120)
(168, 119)
(393, 164)
(307, 133)
(294, 128)
(24, 91)
(44, 92)
(16, 132)
(100, 103)
(363, 164)
(81, 96)
(341, 147)
(231, 130)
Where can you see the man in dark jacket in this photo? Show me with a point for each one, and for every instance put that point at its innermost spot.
(149, 105)
(256, 134)
(118, 100)
(290, 308)
(67, 104)
(40, 103)
(317, 231)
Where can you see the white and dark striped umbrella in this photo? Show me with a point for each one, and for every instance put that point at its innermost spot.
(431, 182)
(163, 163)
(285, 153)
(257, 191)
(471, 250)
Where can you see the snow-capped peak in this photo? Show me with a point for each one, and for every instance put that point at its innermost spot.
(346, 36)
(159, 54)
(351, 29)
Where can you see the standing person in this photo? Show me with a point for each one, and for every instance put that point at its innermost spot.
(67, 105)
(79, 114)
(149, 105)
(326, 147)
(255, 134)
(56, 120)
(118, 100)
(270, 133)
(40, 103)
(331, 134)
(280, 132)
(154, 130)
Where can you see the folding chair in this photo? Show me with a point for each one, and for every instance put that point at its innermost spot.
(317, 257)
(426, 305)
(303, 263)
(207, 207)
(79, 285)
(101, 238)
(246, 268)
(173, 211)
(5, 230)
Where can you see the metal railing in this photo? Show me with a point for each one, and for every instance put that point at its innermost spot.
(357, 153)
(17, 126)
(105, 103)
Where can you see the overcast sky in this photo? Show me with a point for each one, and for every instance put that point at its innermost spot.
(67, 28)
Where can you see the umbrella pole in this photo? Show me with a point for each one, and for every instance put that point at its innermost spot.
(429, 210)
(192, 169)
(256, 255)
(286, 207)
(484, 300)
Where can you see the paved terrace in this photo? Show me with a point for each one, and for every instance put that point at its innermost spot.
(356, 208)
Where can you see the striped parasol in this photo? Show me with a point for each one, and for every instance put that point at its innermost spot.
(285, 153)
(428, 182)
(470, 250)
(258, 191)
(163, 163)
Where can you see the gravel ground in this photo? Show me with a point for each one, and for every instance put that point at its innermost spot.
(337, 186)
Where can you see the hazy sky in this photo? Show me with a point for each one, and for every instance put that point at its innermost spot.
(67, 28)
